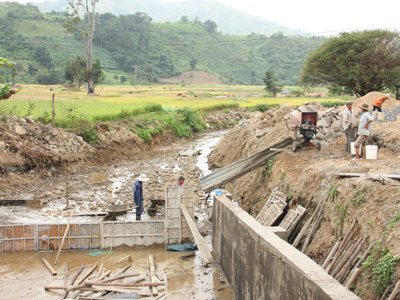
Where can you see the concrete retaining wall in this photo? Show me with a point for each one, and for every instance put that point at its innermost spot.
(260, 265)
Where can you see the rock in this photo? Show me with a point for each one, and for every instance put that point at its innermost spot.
(323, 123)
(320, 136)
(19, 130)
(30, 119)
(337, 126)
(55, 132)
(2, 145)
(22, 121)
(330, 134)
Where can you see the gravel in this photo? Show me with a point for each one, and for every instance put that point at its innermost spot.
(391, 114)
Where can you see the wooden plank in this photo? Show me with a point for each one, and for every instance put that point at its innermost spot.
(353, 277)
(395, 291)
(122, 284)
(393, 176)
(28, 203)
(205, 252)
(48, 265)
(152, 275)
(122, 259)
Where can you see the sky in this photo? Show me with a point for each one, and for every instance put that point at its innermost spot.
(318, 16)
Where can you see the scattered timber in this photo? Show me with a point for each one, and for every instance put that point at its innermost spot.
(152, 274)
(122, 259)
(48, 265)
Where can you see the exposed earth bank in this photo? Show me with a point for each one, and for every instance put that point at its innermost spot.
(312, 174)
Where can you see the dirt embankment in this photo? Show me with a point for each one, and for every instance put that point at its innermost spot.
(309, 173)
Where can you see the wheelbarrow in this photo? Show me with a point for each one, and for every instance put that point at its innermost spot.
(152, 208)
(114, 211)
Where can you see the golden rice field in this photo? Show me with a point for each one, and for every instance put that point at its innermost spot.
(112, 100)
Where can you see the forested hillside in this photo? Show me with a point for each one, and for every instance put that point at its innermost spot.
(229, 20)
(41, 47)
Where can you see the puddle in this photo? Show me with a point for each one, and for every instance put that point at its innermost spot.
(25, 276)
(98, 177)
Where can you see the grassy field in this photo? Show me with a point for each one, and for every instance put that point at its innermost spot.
(117, 102)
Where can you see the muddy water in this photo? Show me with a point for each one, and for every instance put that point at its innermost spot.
(24, 276)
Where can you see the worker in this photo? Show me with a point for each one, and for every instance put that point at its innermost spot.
(377, 104)
(180, 181)
(138, 195)
(363, 130)
(348, 118)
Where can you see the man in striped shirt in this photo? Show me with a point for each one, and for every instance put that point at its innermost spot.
(180, 181)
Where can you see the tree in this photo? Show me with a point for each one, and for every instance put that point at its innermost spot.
(270, 82)
(96, 73)
(123, 79)
(362, 61)
(75, 70)
(184, 20)
(210, 26)
(88, 10)
(193, 63)
(6, 90)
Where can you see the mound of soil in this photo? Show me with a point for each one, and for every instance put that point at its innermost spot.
(199, 77)
(369, 98)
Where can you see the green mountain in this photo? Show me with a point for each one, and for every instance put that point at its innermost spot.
(41, 47)
(229, 20)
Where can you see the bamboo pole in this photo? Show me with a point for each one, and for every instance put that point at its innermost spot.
(63, 239)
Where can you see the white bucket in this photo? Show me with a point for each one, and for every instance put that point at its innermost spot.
(353, 150)
(375, 115)
(381, 116)
(371, 152)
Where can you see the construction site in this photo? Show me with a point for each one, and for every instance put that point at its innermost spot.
(269, 209)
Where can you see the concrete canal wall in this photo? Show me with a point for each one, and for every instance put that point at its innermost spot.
(260, 265)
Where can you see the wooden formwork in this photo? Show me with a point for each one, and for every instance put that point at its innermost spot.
(176, 226)
(272, 209)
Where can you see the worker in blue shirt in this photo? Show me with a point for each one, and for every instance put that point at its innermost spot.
(138, 195)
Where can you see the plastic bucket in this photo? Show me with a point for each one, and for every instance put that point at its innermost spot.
(381, 116)
(371, 151)
(375, 115)
(353, 150)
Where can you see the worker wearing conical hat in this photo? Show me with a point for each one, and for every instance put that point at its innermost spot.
(138, 195)
(377, 104)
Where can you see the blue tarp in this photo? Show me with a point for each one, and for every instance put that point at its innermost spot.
(183, 248)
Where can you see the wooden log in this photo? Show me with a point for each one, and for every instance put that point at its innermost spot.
(343, 261)
(347, 267)
(205, 252)
(395, 291)
(125, 284)
(63, 239)
(331, 254)
(387, 291)
(305, 227)
(159, 297)
(49, 267)
(313, 228)
(152, 274)
(87, 274)
(346, 240)
(66, 275)
(73, 279)
(352, 278)
(82, 280)
(365, 254)
(119, 277)
(393, 176)
(122, 259)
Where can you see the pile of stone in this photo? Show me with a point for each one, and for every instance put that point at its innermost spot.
(391, 114)
(223, 117)
(329, 125)
(26, 134)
